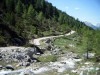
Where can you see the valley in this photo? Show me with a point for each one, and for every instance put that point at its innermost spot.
(56, 60)
(39, 38)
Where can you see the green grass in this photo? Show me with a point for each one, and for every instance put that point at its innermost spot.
(48, 58)
(74, 39)
(47, 33)
(62, 42)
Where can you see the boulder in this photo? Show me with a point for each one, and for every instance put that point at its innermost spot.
(9, 67)
(25, 64)
(0, 57)
(77, 57)
(1, 67)
(19, 54)
(48, 41)
(20, 57)
(97, 58)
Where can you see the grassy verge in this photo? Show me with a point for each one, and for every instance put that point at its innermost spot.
(65, 42)
(48, 58)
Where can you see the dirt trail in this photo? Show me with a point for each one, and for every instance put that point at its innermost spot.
(37, 41)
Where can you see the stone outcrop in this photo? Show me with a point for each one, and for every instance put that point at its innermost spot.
(19, 54)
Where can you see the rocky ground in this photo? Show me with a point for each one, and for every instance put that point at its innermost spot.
(18, 56)
(25, 61)
(64, 62)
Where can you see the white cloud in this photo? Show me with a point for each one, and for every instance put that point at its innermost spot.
(77, 8)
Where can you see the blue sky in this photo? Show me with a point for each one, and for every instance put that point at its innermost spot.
(84, 10)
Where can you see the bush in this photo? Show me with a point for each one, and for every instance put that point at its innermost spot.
(48, 58)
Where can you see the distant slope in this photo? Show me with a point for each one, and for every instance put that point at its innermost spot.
(97, 26)
(90, 25)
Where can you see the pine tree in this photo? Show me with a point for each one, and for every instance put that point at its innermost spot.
(24, 15)
(31, 12)
(9, 19)
(88, 41)
(19, 7)
(61, 18)
(40, 17)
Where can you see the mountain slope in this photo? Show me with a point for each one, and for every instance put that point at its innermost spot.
(34, 18)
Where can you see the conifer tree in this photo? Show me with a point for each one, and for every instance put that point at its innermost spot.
(19, 7)
(31, 12)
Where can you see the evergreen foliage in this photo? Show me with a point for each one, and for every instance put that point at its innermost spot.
(20, 20)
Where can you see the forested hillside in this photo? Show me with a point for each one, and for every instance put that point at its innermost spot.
(20, 20)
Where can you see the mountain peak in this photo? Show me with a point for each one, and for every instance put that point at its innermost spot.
(90, 25)
(98, 25)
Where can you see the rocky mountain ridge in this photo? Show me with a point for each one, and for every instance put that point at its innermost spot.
(97, 26)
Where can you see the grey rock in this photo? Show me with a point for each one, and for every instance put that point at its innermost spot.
(48, 41)
(9, 67)
(18, 54)
(1, 67)
(25, 64)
